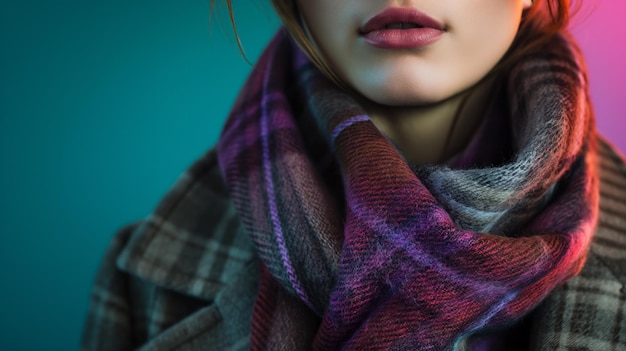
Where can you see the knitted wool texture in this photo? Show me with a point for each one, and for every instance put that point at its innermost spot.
(360, 251)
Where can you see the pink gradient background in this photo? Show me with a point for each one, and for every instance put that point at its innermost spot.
(600, 27)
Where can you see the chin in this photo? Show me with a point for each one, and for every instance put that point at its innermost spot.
(407, 94)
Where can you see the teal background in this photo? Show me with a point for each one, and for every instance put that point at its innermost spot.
(103, 104)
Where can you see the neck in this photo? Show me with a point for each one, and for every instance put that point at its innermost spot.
(432, 134)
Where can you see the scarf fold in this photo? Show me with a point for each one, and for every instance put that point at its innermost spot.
(361, 251)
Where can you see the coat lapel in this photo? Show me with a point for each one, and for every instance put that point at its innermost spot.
(589, 311)
(193, 242)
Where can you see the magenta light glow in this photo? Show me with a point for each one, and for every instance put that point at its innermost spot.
(601, 31)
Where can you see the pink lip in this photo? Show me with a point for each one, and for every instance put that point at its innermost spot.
(375, 33)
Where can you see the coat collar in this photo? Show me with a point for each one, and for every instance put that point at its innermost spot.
(193, 242)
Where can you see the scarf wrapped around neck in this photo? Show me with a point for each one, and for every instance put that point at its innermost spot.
(361, 251)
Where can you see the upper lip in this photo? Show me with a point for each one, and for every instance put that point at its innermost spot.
(402, 15)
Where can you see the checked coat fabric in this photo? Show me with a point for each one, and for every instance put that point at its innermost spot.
(186, 277)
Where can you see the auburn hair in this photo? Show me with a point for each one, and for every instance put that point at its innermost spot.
(540, 22)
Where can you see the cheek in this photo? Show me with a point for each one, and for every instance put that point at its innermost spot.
(485, 31)
(333, 27)
(328, 21)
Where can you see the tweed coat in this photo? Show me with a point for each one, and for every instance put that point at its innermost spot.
(185, 278)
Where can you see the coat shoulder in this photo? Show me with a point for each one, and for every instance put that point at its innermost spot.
(609, 243)
(589, 311)
(170, 280)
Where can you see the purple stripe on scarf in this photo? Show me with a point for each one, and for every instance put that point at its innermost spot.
(402, 238)
(399, 239)
(345, 124)
(267, 170)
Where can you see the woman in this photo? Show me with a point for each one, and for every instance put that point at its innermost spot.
(412, 175)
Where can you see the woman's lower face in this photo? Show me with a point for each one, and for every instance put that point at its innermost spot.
(406, 53)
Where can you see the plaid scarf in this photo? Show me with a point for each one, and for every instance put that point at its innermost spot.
(361, 251)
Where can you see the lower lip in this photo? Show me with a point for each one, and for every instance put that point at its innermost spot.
(410, 38)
